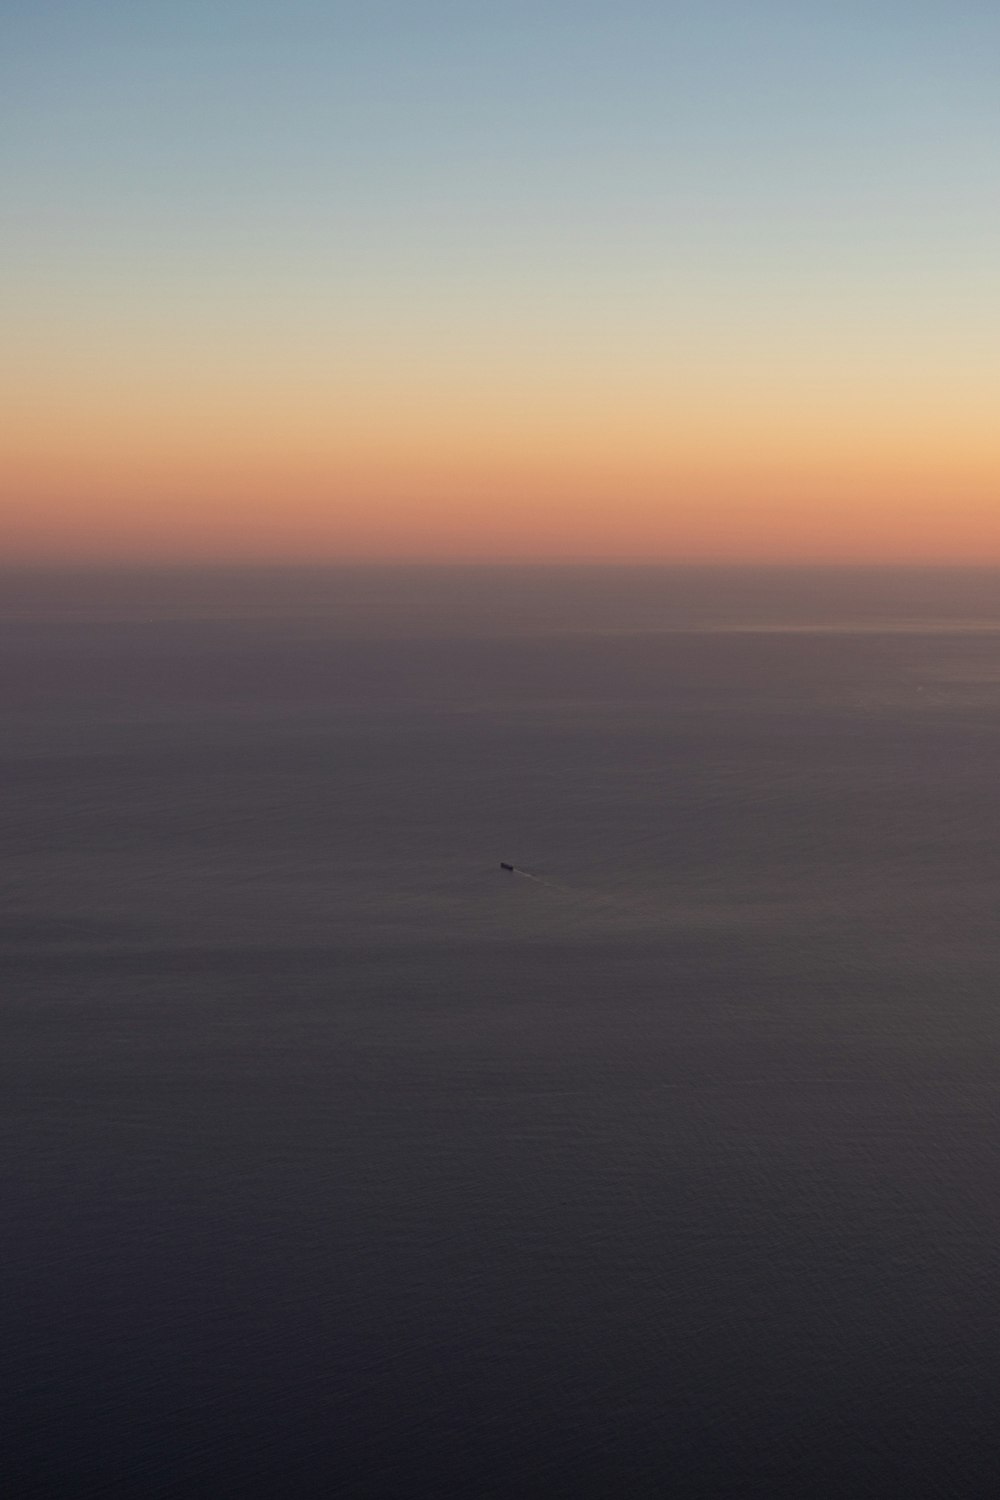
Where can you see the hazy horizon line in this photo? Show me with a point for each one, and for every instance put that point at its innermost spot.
(499, 564)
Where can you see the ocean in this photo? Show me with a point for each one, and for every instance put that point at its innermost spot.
(339, 1161)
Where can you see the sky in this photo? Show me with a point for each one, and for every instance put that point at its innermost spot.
(502, 279)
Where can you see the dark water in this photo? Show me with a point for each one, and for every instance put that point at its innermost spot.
(339, 1162)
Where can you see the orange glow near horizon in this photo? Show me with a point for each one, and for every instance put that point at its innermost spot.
(243, 469)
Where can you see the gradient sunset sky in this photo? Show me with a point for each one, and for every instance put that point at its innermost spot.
(299, 279)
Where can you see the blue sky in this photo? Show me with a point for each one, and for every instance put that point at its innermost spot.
(445, 183)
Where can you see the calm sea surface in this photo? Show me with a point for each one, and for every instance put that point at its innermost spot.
(338, 1161)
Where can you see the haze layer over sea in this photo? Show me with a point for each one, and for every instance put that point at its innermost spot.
(341, 1162)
